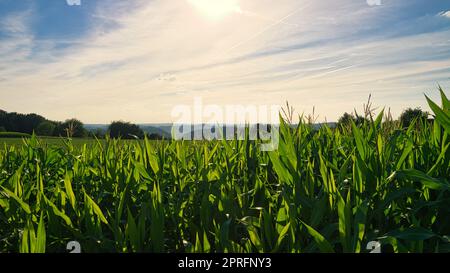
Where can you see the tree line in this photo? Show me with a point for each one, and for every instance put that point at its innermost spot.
(33, 123)
(407, 117)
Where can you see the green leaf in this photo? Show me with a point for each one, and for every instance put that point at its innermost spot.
(344, 214)
(96, 208)
(283, 234)
(10, 194)
(395, 195)
(441, 117)
(132, 232)
(321, 242)
(359, 140)
(24, 245)
(206, 245)
(157, 219)
(280, 169)
(69, 191)
(254, 238)
(412, 234)
(57, 212)
(445, 101)
(41, 236)
(153, 159)
(406, 151)
(427, 181)
(360, 225)
(320, 207)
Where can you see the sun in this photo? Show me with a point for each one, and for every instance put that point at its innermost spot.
(216, 9)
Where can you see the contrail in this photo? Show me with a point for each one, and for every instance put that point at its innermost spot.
(252, 14)
(276, 23)
(338, 69)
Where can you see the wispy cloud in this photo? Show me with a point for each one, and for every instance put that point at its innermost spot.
(15, 23)
(16, 45)
(140, 58)
(445, 14)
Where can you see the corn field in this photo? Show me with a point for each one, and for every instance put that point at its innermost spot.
(325, 190)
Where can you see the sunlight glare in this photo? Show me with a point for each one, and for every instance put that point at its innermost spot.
(216, 9)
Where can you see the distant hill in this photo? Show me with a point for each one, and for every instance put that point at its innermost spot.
(165, 129)
(29, 123)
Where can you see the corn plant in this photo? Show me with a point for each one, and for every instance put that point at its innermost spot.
(323, 190)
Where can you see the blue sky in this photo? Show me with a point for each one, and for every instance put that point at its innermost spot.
(136, 60)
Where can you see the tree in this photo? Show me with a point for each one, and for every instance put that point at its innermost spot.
(71, 128)
(45, 128)
(409, 115)
(98, 133)
(15, 122)
(125, 130)
(3, 120)
(346, 119)
(360, 120)
(30, 122)
(155, 136)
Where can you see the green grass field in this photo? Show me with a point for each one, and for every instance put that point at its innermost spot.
(77, 143)
(53, 141)
(321, 191)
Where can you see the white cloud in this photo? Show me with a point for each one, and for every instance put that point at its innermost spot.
(445, 14)
(15, 23)
(17, 46)
(165, 52)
